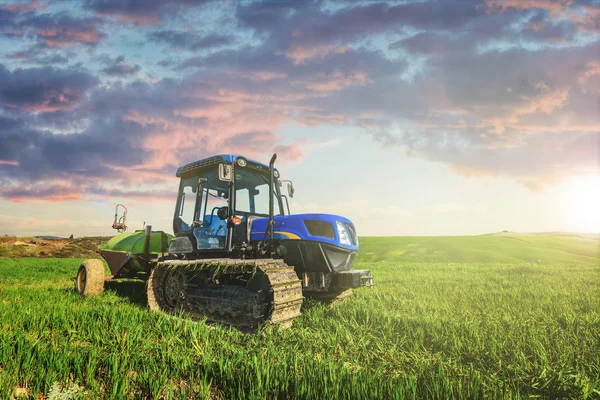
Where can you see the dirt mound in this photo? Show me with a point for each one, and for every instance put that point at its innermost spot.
(83, 247)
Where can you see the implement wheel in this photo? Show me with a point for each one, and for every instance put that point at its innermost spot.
(90, 278)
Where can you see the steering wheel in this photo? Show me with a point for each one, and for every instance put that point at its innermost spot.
(222, 213)
(212, 214)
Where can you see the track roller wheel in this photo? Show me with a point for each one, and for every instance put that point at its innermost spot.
(90, 278)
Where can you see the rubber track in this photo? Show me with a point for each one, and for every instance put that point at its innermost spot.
(284, 283)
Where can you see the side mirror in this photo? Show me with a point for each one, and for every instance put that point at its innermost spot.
(225, 172)
(223, 213)
(290, 187)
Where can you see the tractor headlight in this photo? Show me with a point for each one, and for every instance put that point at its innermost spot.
(343, 233)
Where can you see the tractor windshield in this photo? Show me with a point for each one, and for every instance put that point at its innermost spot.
(252, 193)
(200, 198)
(186, 205)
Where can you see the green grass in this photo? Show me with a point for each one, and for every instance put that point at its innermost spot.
(481, 249)
(466, 318)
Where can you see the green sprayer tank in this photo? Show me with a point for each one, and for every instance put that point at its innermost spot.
(131, 252)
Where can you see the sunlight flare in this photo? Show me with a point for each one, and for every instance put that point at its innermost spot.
(582, 203)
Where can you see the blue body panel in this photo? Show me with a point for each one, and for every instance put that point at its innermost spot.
(291, 227)
(228, 158)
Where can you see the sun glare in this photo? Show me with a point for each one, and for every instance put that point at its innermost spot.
(582, 203)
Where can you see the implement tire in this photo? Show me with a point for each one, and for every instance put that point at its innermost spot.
(90, 278)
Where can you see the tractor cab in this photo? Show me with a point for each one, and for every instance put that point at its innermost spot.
(217, 198)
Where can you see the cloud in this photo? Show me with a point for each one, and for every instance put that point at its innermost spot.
(143, 12)
(592, 70)
(30, 5)
(51, 30)
(43, 89)
(545, 104)
(300, 54)
(134, 134)
(44, 57)
(479, 87)
(539, 159)
(22, 193)
(59, 192)
(431, 43)
(306, 24)
(190, 40)
(582, 14)
(550, 5)
(119, 68)
(63, 30)
(10, 162)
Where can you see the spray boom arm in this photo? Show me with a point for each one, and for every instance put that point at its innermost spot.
(120, 223)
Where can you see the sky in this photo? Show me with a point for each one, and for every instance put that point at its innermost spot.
(408, 117)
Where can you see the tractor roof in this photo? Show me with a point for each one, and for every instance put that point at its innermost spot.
(209, 161)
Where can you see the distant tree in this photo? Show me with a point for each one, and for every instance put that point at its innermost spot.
(71, 237)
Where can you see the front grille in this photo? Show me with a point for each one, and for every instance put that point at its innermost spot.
(319, 228)
(352, 232)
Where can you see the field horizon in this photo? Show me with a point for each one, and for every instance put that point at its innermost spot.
(488, 316)
(86, 246)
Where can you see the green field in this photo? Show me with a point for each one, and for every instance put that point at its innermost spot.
(463, 317)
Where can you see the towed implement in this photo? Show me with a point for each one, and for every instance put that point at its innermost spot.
(237, 255)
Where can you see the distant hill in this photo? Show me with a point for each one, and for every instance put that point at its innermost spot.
(549, 249)
(509, 233)
(82, 247)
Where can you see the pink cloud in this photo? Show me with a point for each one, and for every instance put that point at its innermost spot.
(291, 152)
(316, 119)
(57, 100)
(54, 198)
(301, 54)
(65, 36)
(53, 191)
(267, 75)
(337, 81)
(593, 69)
(550, 5)
(9, 162)
(584, 15)
(31, 5)
(545, 104)
(131, 18)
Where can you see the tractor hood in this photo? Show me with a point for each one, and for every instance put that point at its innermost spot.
(324, 228)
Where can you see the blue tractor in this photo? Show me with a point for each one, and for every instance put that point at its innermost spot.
(239, 257)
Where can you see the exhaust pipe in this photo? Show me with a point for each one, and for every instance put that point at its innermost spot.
(271, 205)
